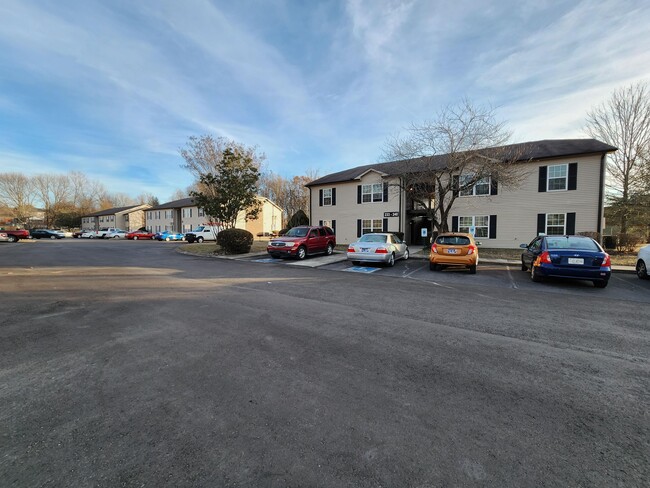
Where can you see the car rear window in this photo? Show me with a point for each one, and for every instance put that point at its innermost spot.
(372, 238)
(453, 240)
(572, 242)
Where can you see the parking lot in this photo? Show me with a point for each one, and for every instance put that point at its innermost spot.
(129, 364)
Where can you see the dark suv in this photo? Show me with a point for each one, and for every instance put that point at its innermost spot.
(300, 241)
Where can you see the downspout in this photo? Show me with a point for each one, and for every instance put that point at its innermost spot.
(401, 213)
(310, 214)
(601, 196)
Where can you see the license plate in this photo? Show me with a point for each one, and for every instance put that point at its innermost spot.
(452, 251)
(365, 249)
(576, 261)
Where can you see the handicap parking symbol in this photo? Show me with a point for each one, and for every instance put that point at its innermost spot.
(362, 269)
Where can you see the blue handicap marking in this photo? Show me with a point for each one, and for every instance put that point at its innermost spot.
(267, 260)
(362, 269)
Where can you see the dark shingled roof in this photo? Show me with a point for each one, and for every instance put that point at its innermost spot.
(183, 202)
(110, 211)
(535, 150)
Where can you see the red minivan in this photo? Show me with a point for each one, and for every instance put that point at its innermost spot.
(300, 241)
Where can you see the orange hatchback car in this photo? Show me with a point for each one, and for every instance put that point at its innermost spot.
(454, 249)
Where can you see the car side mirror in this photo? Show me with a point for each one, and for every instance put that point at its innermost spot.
(479, 243)
(523, 246)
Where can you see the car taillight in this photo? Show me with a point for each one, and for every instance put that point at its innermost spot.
(471, 249)
(381, 250)
(351, 249)
(545, 257)
(607, 262)
(434, 248)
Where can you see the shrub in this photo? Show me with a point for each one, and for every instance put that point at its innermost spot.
(627, 242)
(235, 241)
(299, 218)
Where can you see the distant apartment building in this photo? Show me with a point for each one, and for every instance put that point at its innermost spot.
(126, 218)
(184, 215)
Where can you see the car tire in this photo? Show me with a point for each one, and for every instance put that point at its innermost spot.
(301, 253)
(433, 267)
(641, 270)
(329, 250)
(135, 238)
(523, 265)
(356, 263)
(391, 260)
(406, 254)
(12, 238)
(91, 237)
(600, 283)
(52, 237)
(472, 269)
(534, 276)
(199, 240)
(167, 239)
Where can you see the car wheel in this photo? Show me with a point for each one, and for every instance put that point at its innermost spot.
(472, 269)
(301, 253)
(356, 263)
(406, 254)
(135, 238)
(641, 270)
(13, 239)
(52, 237)
(167, 239)
(391, 260)
(330, 250)
(91, 237)
(433, 267)
(534, 275)
(600, 283)
(523, 265)
(199, 240)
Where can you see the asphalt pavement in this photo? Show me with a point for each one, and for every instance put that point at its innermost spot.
(129, 364)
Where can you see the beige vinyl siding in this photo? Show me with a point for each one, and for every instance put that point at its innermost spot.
(347, 211)
(517, 209)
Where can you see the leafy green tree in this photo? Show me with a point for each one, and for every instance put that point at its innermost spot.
(230, 188)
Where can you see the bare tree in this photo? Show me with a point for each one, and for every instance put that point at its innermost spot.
(202, 154)
(179, 194)
(464, 147)
(623, 121)
(53, 191)
(290, 194)
(17, 194)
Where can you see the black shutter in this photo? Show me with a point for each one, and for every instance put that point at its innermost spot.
(456, 184)
(571, 223)
(541, 224)
(385, 226)
(334, 226)
(333, 196)
(454, 224)
(359, 197)
(385, 193)
(320, 198)
(492, 231)
(320, 222)
(542, 179)
(494, 186)
(358, 227)
(573, 176)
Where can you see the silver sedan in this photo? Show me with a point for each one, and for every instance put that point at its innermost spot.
(380, 247)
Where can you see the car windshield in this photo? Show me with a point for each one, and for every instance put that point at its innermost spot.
(571, 242)
(453, 240)
(297, 232)
(372, 238)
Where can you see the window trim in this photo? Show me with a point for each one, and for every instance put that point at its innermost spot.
(472, 191)
(564, 224)
(566, 177)
(325, 197)
(372, 228)
(372, 194)
(476, 227)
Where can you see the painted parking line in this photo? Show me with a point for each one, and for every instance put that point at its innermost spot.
(267, 260)
(361, 269)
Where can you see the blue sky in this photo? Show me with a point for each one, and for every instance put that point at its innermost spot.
(114, 88)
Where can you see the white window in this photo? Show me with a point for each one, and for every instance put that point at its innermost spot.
(375, 225)
(187, 227)
(187, 212)
(201, 212)
(111, 218)
(479, 222)
(372, 193)
(481, 187)
(555, 224)
(327, 223)
(327, 197)
(557, 177)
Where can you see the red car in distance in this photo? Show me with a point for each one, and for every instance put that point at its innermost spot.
(139, 234)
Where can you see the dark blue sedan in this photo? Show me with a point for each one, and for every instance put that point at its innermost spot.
(571, 257)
